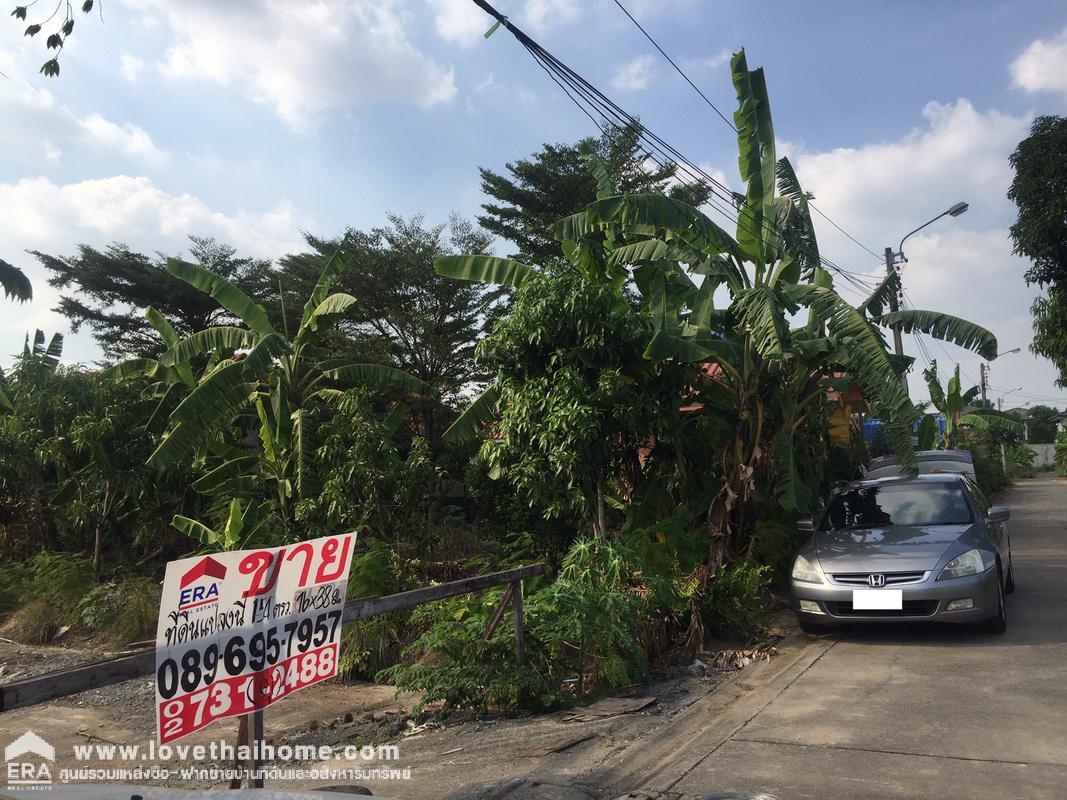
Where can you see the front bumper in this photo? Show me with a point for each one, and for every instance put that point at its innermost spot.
(924, 601)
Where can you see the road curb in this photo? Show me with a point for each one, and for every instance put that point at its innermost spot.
(653, 765)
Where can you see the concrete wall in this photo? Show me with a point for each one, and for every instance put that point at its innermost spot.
(1044, 455)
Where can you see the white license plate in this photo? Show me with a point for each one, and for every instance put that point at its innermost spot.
(877, 599)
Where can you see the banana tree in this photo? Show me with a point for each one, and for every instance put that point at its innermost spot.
(37, 363)
(769, 378)
(951, 400)
(255, 379)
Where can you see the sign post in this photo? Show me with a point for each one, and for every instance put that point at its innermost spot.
(240, 630)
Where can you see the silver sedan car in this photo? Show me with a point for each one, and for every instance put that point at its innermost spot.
(927, 548)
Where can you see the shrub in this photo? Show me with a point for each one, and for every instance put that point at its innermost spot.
(127, 610)
(15, 580)
(1061, 452)
(737, 603)
(583, 636)
(35, 623)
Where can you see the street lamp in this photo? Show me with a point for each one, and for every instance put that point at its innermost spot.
(983, 371)
(1000, 400)
(954, 211)
(891, 265)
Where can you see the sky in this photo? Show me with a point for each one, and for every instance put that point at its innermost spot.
(255, 120)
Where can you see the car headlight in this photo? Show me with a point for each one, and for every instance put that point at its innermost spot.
(805, 571)
(969, 563)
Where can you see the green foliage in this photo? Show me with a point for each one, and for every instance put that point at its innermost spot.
(556, 181)
(367, 484)
(109, 290)
(14, 282)
(126, 610)
(1041, 424)
(1040, 231)
(583, 636)
(737, 603)
(1061, 452)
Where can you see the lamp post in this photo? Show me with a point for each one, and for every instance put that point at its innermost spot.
(1000, 400)
(891, 261)
(983, 371)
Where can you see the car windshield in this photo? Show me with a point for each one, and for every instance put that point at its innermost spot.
(900, 504)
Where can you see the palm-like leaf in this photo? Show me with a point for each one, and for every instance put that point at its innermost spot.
(483, 409)
(876, 303)
(225, 293)
(988, 419)
(650, 213)
(868, 363)
(945, 327)
(15, 283)
(762, 310)
(798, 231)
(325, 313)
(484, 269)
(224, 338)
(756, 224)
(376, 375)
(333, 267)
(7, 398)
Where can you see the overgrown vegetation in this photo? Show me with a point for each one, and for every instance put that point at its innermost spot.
(654, 447)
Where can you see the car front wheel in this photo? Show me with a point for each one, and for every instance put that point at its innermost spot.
(1009, 584)
(998, 623)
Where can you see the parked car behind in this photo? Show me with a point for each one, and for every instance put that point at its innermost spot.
(929, 462)
(926, 548)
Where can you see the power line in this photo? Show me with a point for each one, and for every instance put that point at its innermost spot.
(591, 101)
(847, 234)
(676, 67)
(722, 116)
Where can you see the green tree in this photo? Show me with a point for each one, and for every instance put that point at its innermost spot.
(1041, 424)
(766, 380)
(109, 290)
(405, 313)
(57, 28)
(951, 400)
(1039, 190)
(536, 191)
(256, 380)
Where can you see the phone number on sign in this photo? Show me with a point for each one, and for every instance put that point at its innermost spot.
(229, 697)
(198, 666)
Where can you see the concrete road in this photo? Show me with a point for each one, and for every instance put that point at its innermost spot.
(901, 712)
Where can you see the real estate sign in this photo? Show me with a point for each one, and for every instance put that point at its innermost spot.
(238, 631)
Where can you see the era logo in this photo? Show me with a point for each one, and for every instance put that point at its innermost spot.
(192, 592)
(29, 773)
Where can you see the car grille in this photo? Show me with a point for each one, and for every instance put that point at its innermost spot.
(911, 608)
(891, 578)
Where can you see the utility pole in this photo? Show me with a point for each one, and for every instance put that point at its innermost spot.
(898, 342)
(983, 371)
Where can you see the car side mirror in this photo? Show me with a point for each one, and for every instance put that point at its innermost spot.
(998, 514)
(805, 525)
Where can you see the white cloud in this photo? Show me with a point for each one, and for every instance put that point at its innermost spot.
(38, 129)
(130, 67)
(963, 266)
(713, 62)
(459, 21)
(540, 14)
(1042, 67)
(302, 59)
(127, 138)
(635, 74)
(40, 214)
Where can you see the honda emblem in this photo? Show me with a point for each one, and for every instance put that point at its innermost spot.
(876, 581)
